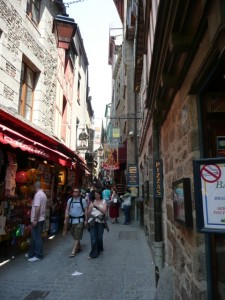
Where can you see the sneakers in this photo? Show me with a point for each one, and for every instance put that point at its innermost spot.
(32, 259)
(26, 255)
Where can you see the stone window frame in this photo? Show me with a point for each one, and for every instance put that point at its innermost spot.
(27, 88)
(33, 10)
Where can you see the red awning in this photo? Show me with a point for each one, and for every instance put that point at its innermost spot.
(17, 140)
(14, 129)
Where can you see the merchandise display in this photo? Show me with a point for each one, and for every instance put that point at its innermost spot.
(18, 174)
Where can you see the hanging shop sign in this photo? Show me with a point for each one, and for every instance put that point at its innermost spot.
(209, 182)
(116, 133)
(132, 175)
(110, 166)
(114, 138)
(111, 160)
(158, 179)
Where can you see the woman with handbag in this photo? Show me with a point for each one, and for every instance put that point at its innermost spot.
(114, 206)
(97, 210)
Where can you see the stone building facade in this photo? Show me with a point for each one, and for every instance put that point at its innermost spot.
(179, 86)
(22, 42)
(39, 81)
(123, 108)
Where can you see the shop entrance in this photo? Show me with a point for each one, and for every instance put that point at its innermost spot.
(213, 128)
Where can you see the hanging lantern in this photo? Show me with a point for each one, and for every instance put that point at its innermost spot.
(64, 29)
(21, 177)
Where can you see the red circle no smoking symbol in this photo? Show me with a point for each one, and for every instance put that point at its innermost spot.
(210, 173)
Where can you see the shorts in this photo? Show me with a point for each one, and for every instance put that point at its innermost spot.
(77, 231)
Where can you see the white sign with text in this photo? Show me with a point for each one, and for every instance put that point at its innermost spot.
(213, 195)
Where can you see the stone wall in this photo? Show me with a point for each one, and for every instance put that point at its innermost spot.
(184, 247)
(20, 40)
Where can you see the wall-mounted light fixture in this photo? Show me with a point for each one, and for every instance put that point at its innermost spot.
(64, 29)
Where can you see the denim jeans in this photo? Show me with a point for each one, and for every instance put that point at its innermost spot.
(127, 214)
(36, 246)
(96, 233)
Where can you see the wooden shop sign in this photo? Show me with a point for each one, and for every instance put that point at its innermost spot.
(158, 179)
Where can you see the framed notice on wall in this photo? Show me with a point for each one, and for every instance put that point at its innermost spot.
(132, 175)
(209, 183)
(182, 204)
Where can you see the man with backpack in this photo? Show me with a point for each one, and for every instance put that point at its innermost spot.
(76, 217)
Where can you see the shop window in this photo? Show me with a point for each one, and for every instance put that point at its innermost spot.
(27, 85)
(33, 10)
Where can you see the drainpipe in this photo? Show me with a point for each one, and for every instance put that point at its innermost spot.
(158, 243)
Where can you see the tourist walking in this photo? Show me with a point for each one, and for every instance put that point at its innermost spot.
(126, 198)
(76, 219)
(38, 214)
(114, 206)
(96, 212)
(106, 193)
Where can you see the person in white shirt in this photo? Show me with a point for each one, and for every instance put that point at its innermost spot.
(126, 206)
(97, 210)
(38, 213)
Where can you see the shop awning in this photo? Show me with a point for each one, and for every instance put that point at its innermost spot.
(19, 133)
(17, 140)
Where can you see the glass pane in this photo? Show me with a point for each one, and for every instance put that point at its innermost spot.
(27, 113)
(37, 3)
(30, 78)
(29, 97)
(35, 14)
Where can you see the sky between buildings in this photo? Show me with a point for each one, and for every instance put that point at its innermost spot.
(94, 18)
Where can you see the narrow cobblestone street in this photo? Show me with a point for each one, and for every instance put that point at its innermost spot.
(125, 271)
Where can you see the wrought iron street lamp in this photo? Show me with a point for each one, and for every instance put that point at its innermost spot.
(64, 29)
(83, 138)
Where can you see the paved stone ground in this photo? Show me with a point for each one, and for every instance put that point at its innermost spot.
(125, 271)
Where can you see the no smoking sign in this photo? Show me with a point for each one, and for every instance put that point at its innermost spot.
(210, 173)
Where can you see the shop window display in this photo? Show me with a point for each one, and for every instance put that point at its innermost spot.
(18, 173)
(17, 192)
